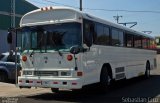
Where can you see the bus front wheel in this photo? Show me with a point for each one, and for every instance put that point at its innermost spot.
(104, 79)
(147, 72)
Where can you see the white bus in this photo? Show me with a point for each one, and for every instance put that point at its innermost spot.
(63, 48)
(157, 38)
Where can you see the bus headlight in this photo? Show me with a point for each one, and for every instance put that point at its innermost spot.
(27, 73)
(66, 73)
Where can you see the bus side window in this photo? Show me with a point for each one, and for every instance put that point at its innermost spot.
(137, 41)
(100, 37)
(147, 43)
(144, 43)
(117, 38)
(107, 35)
(152, 44)
(88, 33)
(115, 41)
(121, 37)
(129, 40)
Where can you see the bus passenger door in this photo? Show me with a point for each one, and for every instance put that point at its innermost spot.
(91, 66)
(90, 56)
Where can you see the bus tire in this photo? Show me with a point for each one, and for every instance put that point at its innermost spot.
(147, 72)
(104, 79)
(55, 90)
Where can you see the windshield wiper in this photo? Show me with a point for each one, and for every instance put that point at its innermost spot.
(60, 53)
(32, 53)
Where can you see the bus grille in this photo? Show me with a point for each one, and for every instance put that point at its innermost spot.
(46, 73)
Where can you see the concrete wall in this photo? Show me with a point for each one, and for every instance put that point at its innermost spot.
(4, 47)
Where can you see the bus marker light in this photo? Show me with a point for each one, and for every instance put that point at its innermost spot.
(24, 58)
(20, 81)
(46, 8)
(79, 73)
(30, 81)
(55, 82)
(74, 83)
(69, 57)
(39, 81)
(51, 8)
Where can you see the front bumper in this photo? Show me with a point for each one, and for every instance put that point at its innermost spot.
(61, 83)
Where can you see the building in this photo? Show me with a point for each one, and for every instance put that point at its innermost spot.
(21, 7)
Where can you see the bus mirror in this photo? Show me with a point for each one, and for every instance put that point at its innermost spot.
(74, 49)
(89, 44)
(9, 37)
(89, 40)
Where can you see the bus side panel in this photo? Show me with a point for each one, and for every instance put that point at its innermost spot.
(131, 62)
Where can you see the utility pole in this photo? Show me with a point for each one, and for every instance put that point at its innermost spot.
(12, 23)
(13, 37)
(80, 5)
(117, 18)
(12, 13)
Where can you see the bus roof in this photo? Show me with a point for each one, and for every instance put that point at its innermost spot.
(83, 14)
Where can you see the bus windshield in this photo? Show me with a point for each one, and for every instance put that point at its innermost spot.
(51, 37)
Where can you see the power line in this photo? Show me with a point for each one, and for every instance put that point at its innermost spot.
(60, 4)
(118, 10)
(110, 10)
